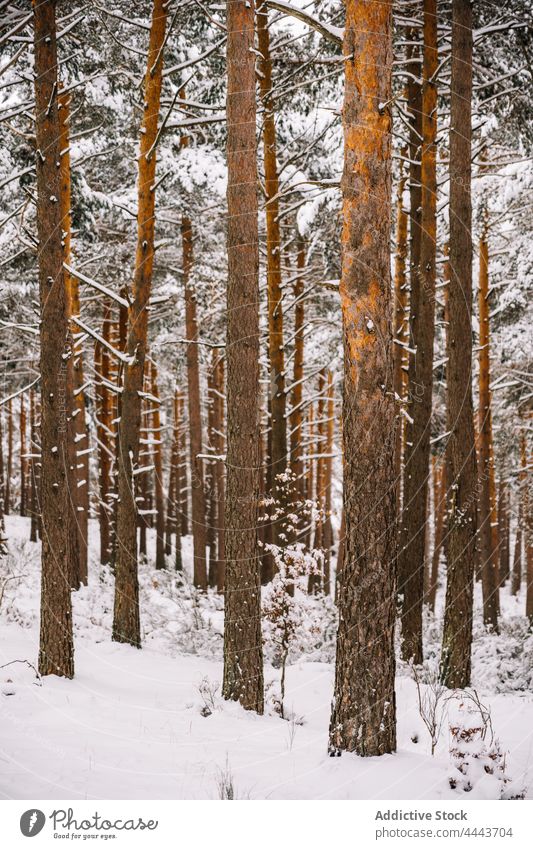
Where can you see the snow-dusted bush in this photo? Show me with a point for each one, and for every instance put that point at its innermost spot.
(477, 756)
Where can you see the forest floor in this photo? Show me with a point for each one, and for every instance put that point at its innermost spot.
(151, 724)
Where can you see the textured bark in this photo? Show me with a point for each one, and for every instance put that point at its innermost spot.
(363, 716)
(243, 655)
(414, 525)
(198, 512)
(72, 476)
(487, 550)
(56, 649)
(278, 455)
(126, 620)
(296, 414)
(461, 472)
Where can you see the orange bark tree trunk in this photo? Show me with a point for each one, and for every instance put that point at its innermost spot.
(460, 448)
(487, 552)
(276, 351)
(414, 525)
(56, 648)
(243, 654)
(126, 619)
(363, 717)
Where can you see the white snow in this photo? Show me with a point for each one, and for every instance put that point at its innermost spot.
(151, 723)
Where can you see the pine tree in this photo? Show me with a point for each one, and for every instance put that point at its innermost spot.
(243, 655)
(56, 648)
(363, 717)
(461, 456)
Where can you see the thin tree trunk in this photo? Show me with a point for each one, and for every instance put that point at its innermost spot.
(243, 655)
(461, 452)
(414, 525)
(488, 555)
(276, 353)
(126, 619)
(363, 716)
(198, 514)
(56, 648)
(72, 476)
(80, 436)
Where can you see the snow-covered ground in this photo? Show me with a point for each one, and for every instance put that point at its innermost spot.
(151, 723)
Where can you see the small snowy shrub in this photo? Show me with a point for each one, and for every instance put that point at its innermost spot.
(477, 756)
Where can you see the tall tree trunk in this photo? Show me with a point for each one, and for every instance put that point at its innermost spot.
(80, 436)
(461, 452)
(243, 655)
(72, 476)
(414, 525)
(276, 353)
(488, 555)
(198, 514)
(56, 648)
(363, 716)
(126, 619)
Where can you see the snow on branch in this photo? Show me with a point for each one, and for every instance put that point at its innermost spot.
(101, 288)
(329, 31)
